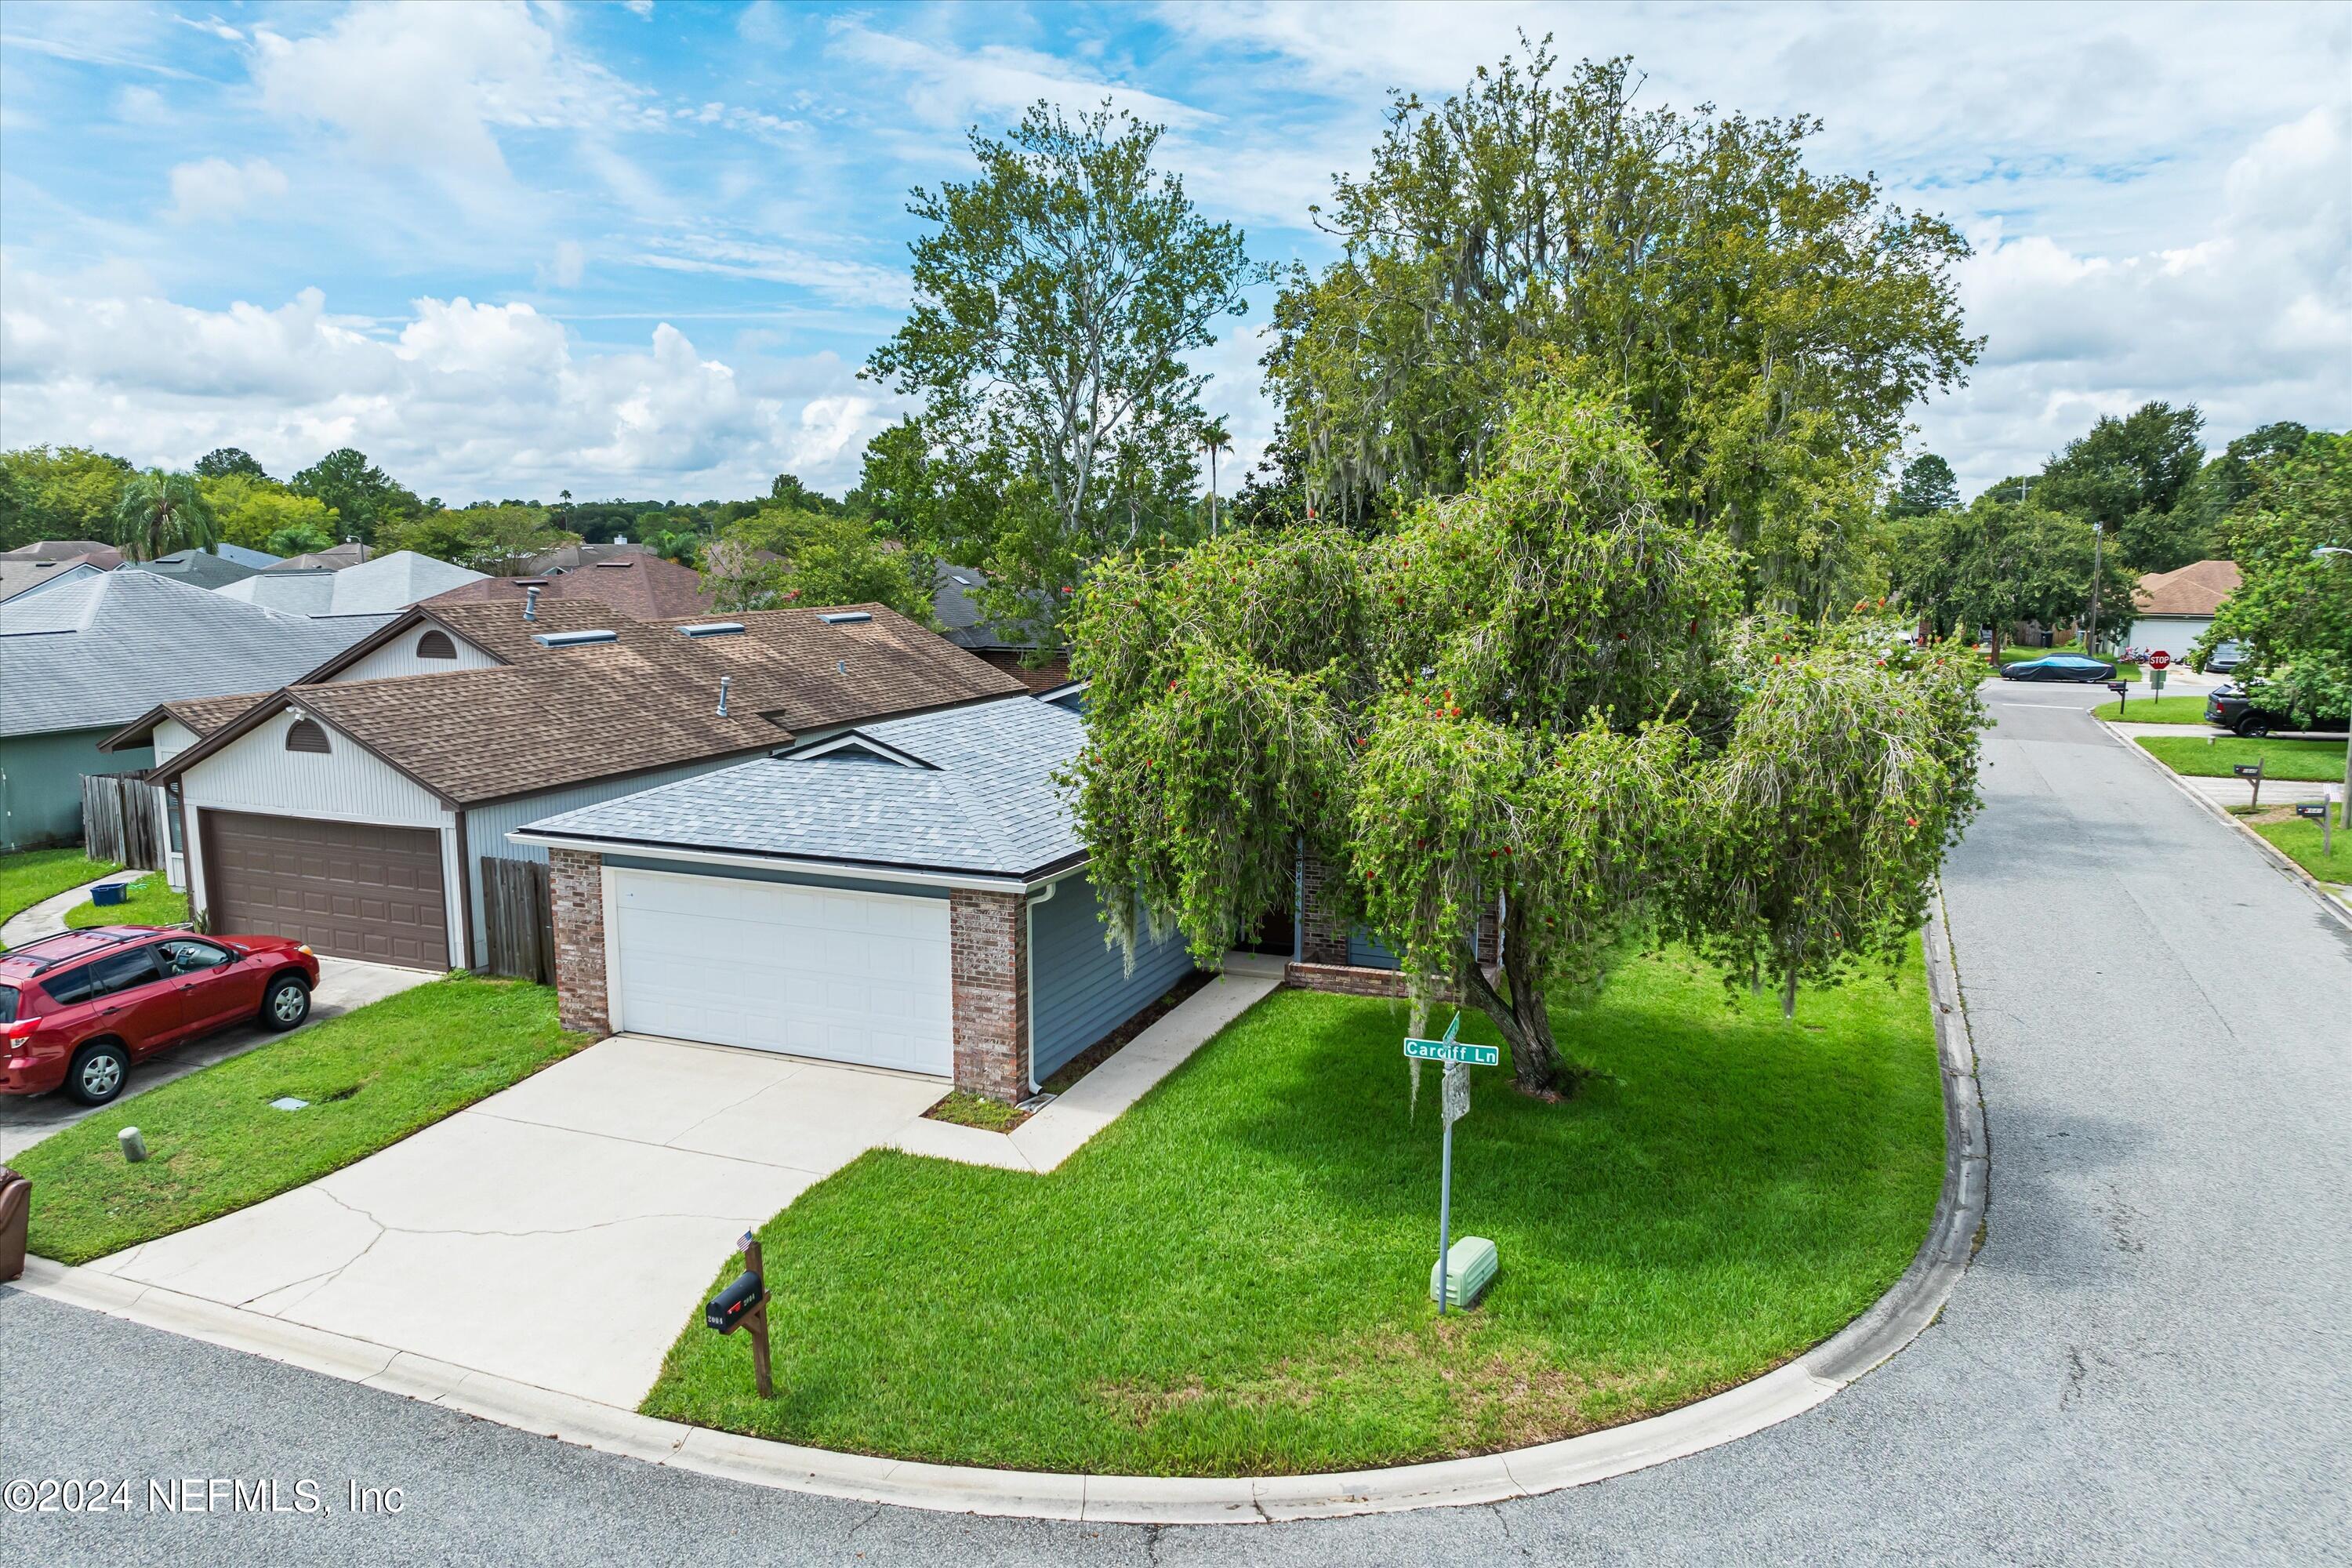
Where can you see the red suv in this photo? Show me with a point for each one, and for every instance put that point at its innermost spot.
(77, 1008)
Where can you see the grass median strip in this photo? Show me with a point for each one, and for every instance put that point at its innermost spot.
(151, 902)
(2154, 710)
(1233, 1278)
(372, 1077)
(2301, 841)
(2310, 762)
(31, 874)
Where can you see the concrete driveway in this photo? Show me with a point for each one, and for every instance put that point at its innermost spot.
(560, 1233)
(343, 983)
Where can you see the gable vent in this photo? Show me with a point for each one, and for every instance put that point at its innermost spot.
(572, 639)
(435, 644)
(846, 618)
(305, 735)
(711, 629)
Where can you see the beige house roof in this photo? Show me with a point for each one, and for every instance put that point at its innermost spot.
(2196, 589)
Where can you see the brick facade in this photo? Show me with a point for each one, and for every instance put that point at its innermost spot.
(1322, 934)
(1355, 980)
(988, 947)
(575, 886)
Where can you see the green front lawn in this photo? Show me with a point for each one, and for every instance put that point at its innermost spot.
(2312, 761)
(2154, 710)
(152, 903)
(31, 874)
(372, 1077)
(2300, 841)
(1233, 1276)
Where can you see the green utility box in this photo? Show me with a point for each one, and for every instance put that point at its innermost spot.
(1469, 1269)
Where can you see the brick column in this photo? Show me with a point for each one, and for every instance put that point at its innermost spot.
(576, 886)
(1322, 932)
(988, 946)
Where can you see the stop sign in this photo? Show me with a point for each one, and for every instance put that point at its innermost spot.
(2160, 659)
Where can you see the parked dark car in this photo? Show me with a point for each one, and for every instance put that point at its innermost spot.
(2233, 710)
(78, 1008)
(2225, 658)
(2059, 666)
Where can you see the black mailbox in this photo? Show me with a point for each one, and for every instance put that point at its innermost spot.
(2246, 770)
(730, 1306)
(2312, 810)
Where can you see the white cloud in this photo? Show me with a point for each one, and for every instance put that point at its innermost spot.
(2251, 320)
(466, 400)
(140, 106)
(847, 282)
(430, 86)
(571, 264)
(948, 86)
(213, 189)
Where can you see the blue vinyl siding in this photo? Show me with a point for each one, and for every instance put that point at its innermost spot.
(1080, 988)
(1366, 951)
(40, 783)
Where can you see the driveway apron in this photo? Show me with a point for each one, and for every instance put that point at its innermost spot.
(559, 1233)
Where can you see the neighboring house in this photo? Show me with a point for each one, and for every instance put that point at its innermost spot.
(380, 586)
(571, 557)
(960, 619)
(196, 568)
(910, 894)
(2174, 609)
(352, 552)
(22, 575)
(646, 587)
(259, 559)
(351, 808)
(105, 557)
(80, 659)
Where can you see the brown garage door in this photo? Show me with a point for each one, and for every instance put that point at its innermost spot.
(346, 887)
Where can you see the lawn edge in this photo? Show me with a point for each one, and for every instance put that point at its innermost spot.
(2279, 857)
(1906, 1309)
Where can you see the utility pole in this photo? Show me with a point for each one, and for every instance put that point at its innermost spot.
(2091, 637)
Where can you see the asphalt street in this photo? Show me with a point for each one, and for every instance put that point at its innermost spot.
(2147, 1362)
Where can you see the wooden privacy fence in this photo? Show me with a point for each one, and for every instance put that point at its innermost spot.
(122, 821)
(518, 920)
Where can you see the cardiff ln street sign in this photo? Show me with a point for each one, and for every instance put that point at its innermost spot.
(1455, 1051)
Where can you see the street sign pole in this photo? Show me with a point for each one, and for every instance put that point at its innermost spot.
(1455, 1104)
(1446, 1201)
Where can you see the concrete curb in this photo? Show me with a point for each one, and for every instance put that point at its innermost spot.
(1892, 1322)
(2319, 889)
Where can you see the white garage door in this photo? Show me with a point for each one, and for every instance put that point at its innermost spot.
(850, 977)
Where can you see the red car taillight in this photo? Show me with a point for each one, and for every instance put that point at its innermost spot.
(22, 1029)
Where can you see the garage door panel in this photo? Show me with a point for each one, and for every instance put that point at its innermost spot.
(785, 968)
(350, 889)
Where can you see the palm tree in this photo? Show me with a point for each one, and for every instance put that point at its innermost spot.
(161, 512)
(1217, 438)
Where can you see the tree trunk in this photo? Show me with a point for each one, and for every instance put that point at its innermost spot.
(1788, 994)
(1537, 1065)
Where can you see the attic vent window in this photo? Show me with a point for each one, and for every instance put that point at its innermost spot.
(572, 639)
(711, 629)
(435, 644)
(305, 735)
(846, 618)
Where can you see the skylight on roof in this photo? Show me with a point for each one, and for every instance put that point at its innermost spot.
(846, 618)
(572, 639)
(711, 629)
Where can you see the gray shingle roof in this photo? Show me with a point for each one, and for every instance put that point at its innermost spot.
(105, 650)
(197, 568)
(987, 802)
(376, 587)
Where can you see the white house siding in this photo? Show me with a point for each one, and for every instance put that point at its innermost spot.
(398, 656)
(2176, 635)
(350, 784)
(486, 827)
(172, 738)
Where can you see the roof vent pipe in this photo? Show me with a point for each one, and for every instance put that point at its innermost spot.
(530, 604)
(724, 682)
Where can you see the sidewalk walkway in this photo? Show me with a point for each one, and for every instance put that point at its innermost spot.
(49, 916)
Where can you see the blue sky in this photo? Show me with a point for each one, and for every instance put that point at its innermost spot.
(642, 249)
